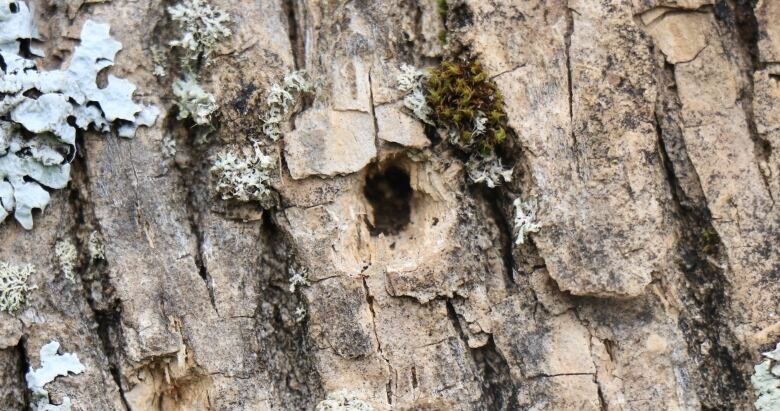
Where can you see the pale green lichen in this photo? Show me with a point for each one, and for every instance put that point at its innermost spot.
(202, 27)
(280, 101)
(525, 219)
(53, 365)
(766, 381)
(193, 101)
(67, 256)
(343, 400)
(243, 177)
(13, 285)
(30, 165)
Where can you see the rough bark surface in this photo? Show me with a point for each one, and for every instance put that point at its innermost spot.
(648, 130)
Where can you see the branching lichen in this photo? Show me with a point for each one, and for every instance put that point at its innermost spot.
(67, 256)
(525, 219)
(766, 381)
(298, 277)
(193, 101)
(13, 286)
(202, 27)
(53, 365)
(243, 177)
(42, 103)
(343, 400)
(410, 81)
(280, 101)
(488, 170)
(300, 313)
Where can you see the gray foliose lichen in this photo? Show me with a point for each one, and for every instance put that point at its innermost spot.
(40, 110)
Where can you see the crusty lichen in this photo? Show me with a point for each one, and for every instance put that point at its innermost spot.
(343, 400)
(13, 285)
(766, 381)
(280, 101)
(53, 365)
(67, 256)
(50, 105)
(525, 219)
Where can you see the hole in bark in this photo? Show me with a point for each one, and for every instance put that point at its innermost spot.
(389, 193)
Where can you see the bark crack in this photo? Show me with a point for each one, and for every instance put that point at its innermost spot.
(370, 302)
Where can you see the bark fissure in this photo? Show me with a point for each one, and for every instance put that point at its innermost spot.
(108, 319)
(706, 301)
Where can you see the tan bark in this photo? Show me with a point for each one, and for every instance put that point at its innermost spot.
(648, 130)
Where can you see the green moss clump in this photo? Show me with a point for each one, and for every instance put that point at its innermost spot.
(441, 7)
(468, 104)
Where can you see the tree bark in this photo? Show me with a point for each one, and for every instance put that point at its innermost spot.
(648, 131)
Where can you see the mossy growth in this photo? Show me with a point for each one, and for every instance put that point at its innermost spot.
(468, 104)
(441, 8)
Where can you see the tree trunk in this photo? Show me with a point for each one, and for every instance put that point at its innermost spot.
(647, 131)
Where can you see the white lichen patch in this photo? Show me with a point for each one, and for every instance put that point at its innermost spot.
(525, 219)
(488, 170)
(53, 365)
(766, 381)
(299, 277)
(193, 101)
(42, 102)
(159, 61)
(480, 124)
(95, 246)
(300, 313)
(343, 400)
(410, 81)
(67, 257)
(281, 100)
(202, 27)
(243, 177)
(13, 286)
(168, 146)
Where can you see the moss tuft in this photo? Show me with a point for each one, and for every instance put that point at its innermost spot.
(441, 7)
(468, 104)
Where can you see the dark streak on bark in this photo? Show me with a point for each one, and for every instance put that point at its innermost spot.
(23, 363)
(107, 314)
(567, 41)
(705, 296)
(493, 199)
(294, 25)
